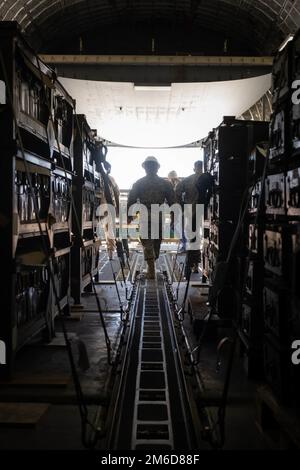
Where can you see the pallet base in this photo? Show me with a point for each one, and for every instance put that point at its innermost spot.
(38, 380)
(279, 425)
(21, 414)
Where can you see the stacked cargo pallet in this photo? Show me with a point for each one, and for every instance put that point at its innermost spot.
(251, 326)
(52, 174)
(226, 152)
(87, 191)
(36, 136)
(281, 238)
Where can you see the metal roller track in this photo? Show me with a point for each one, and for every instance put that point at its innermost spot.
(152, 406)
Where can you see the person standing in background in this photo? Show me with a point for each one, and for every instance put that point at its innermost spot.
(187, 192)
(148, 191)
(173, 178)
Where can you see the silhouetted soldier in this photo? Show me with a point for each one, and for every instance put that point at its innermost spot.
(148, 191)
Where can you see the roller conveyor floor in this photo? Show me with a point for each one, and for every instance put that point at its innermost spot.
(152, 406)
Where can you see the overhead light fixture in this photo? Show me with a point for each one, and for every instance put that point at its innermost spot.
(152, 88)
(286, 41)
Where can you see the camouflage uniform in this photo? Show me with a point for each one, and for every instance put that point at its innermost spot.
(151, 190)
(187, 193)
(174, 182)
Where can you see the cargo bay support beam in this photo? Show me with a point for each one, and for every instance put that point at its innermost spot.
(157, 70)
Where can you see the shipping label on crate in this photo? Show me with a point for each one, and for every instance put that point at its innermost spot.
(273, 246)
(275, 194)
(293, 192)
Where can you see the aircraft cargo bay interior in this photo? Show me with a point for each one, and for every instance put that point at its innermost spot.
(149, 227)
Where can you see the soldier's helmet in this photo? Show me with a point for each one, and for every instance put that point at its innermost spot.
(172, 174)
(151, 160)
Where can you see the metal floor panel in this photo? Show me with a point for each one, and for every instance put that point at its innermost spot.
(152, 406)
(152, 422)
